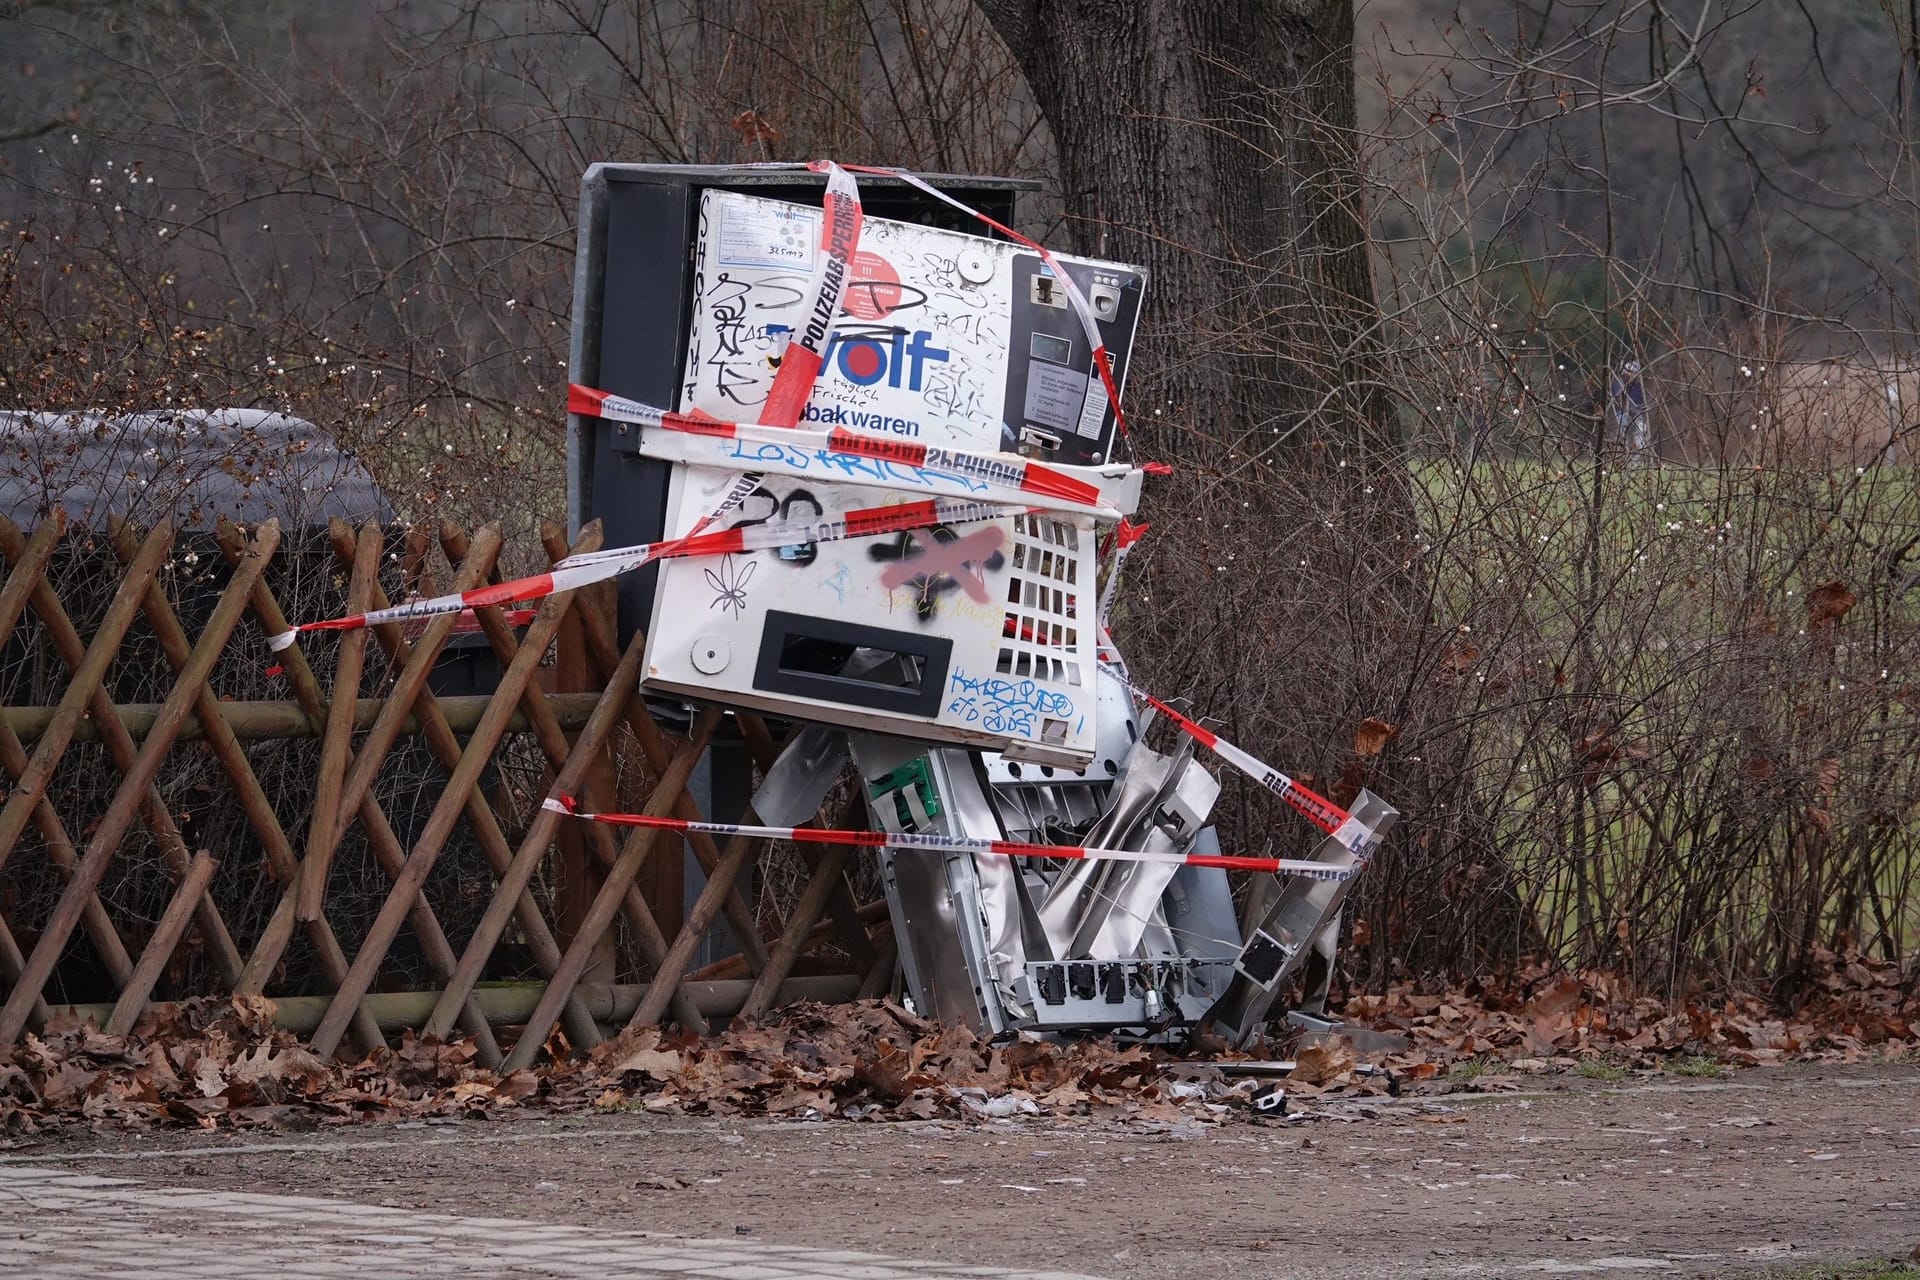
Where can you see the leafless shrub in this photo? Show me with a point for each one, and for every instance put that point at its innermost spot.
(1645, 708)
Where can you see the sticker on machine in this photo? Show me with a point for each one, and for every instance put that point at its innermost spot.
(1054, 395)
(765, 233)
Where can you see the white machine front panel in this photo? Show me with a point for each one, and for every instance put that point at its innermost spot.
(987, 617)
(943, 339)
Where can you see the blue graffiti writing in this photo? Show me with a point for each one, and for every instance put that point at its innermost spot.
(1004, 706)
(842, 579)
(850, 466)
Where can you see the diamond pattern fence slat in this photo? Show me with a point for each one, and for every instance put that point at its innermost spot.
(340, 922)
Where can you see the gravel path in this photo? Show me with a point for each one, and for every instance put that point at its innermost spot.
(1770, 1168)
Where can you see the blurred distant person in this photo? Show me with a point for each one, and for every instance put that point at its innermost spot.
(1627, 396)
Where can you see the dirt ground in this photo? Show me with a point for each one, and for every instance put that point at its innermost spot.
(1768, 1170)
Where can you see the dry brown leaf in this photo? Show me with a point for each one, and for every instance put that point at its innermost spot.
(208, 1078)
(1328, 1061)
(661, 1064)
(755, 128)
(1828, 603)
(1372, 735)
(661, 1182)
(519, 1084)
(1457, 658)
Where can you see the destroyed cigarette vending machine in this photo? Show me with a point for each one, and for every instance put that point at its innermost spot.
(949, 468)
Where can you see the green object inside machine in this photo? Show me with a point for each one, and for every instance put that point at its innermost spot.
(912, 778)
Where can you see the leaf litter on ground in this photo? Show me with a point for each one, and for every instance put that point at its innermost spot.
(222, 1063)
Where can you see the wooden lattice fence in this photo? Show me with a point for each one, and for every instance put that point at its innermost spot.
(322, 827)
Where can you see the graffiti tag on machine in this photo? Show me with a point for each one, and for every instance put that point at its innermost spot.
(935, 561)
(743, 350)
(848, 466)
(917, 351)
(798, 505)
(730, 584)
(999, 705)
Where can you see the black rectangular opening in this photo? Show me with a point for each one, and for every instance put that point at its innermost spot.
(814, 657)
(1053, 984)
(1262, 958)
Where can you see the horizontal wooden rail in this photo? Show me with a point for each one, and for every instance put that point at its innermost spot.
(262, 721)
(513, 1003)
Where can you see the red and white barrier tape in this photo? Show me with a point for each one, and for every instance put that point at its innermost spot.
(582, 570)
(958, 844)
(1081, 308)
(741, 490)
(807, 347)
(857, 457)
(1323, 813)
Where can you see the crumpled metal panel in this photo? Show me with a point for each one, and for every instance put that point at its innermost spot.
(956, 917)
(1197, 915)
(813, 760)
(1290, 929)
(1105, 909)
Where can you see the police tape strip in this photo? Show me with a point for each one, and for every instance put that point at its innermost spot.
(733, 497)
(807, 346)
(1323, 813)
(956, 844)
(1101, 360)
(587, 568)
(873, 460)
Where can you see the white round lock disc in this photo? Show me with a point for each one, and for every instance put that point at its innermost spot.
(711, 654)
(975, 266)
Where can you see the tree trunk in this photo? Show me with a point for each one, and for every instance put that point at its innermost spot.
(1214, 144)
